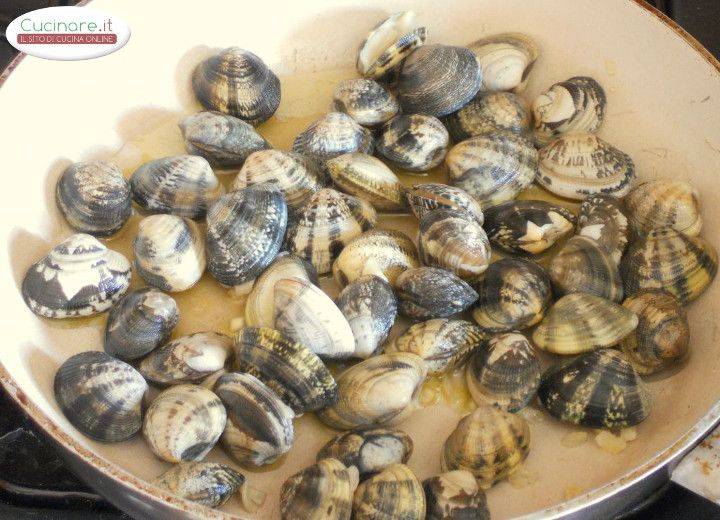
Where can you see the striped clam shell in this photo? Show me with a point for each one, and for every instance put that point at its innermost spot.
(370, 451)
(368, 178)
(366, 101)
(413, 142)
(101, 396)
(506, 60)
(664, 203)
(423, 198)
(602, 218)
(455, 495)
(428, 292)
(486, 113)
(598, 389)
(395, 492)
(207, 483)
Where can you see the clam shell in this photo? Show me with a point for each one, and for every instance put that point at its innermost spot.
(237, 82)
(505, 59)
(101, 396)
(493, 168)
(423, 198)
(207, 483)
(78, 277)
(94, 198)
(428, 292)
(393, 493)
(381, 390)
(486, 113)
(577, 165)
(455, 495)
(598, 389)
(183, 423)
(414, 142)
(602, 218)
(664, 203)
(368, 178)
(370, 451)
(366, 101)
(579, 322)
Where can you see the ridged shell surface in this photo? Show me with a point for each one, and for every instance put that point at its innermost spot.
(366, 101)
(455, 495)
(486, 113)
(428, 292)
(664, 203)
(423, 198)
(505, 59)
(207, 483)
(368, 178)
(414, 142)
(370, 451)
(603, 218)
(394, 493)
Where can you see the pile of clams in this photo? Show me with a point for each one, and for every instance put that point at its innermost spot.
(347, 319)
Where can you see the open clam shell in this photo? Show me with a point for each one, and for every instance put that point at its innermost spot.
(393, 493)
(366, 101)
(455, 495)
(602, 218)
(207, 483)
(428, 292)
(370, 451)
(486, 113)
(414, 142)
(424, 198)
(368, 178)
(505, 59)
(664, 203)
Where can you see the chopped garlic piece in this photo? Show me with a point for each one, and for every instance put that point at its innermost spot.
(574, 439)
(629, 434)
(609, 442)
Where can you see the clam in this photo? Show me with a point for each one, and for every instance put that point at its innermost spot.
(415, 142)
(514, 295)
(78, 277)
(442, 343)
(169, 252)
(237, 82)
(94, 198)
(368, 178)
(388, 44)
(381, 390)
(304, 313)
(370, 451)
(225, 141)
(288, 368)
(578, 165)
(366, 101)
(101, 396)
(370, 307)
(141, 321)
(662, 336)
(505, 59)
(664, 203)
(259, 425)
(183, 185)
(450, 239)
(183, 423)
(423, 198)
(493, 168)
(207, 483)
(603, 219)
(527, 226)
(428, 292)
(382, 252)
(186, 359)
(438, 80)
(490, 443)
(486, 113)
(323, 491)
(576, 105)
(455, 495)
(668, 260)
(579, 322)
(583, 266)
(326, 223)
(245, 230)
(598, 389)
(395, 492)
(505, 372)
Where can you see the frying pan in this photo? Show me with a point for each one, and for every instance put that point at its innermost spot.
(663, 109)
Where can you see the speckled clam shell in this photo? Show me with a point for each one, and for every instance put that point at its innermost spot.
(382, 252)
(576, 105)
(662, 336)
(366, 101)
(326, 223)
(505, 372)
(141, 321)
(442, 343)
(393, 493)
(304, 313)
(78, 277)
(101, 396)
(428, 292)
(664, 203)
(414, 142)
(505, 59)
(668, 260)
(577, 165)
(169, 252)
(207, 483)
(582, 266)
(598, 389)
(370, 307)
(259, 425)
(183, 423)
(318, 492)
(455, 495)
(370, 451)
(579, 322)
(382, 390)
(602, 218)
(239, 83)
(493, 168)
(423, 198)
(94, 198)
(183, 185)
(450, 239)
(245, 230)
(527, 226)
(388, 44)
(486, 113)
(225, 141)
(489, 443)
(368, 178)
(288, 368)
